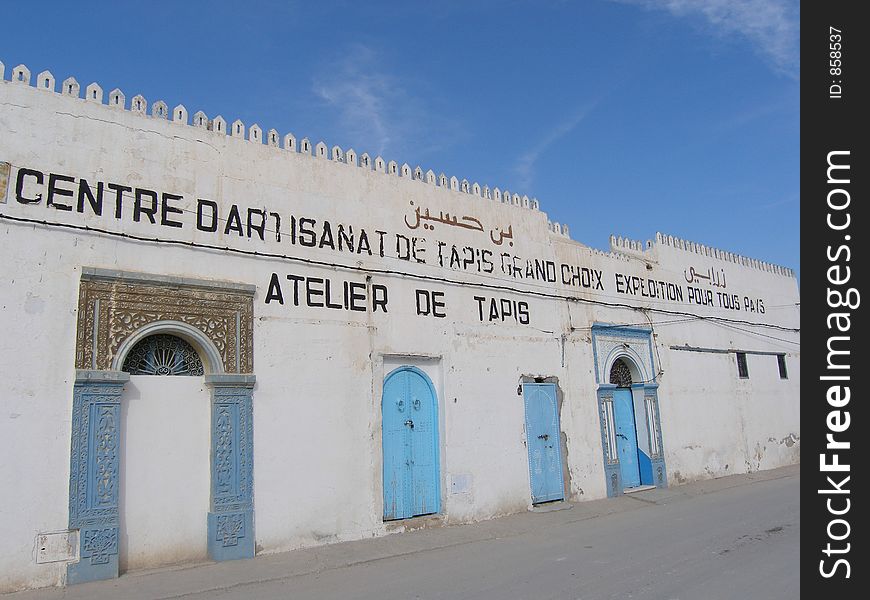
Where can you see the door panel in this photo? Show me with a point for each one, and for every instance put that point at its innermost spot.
(410, 445)
(423, 445)
(626, 437)
(542, 438)
(395, 447)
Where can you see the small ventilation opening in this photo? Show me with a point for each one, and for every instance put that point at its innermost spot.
(742, 366)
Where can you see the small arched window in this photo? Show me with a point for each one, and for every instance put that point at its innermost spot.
(620, 375)
(163, 354)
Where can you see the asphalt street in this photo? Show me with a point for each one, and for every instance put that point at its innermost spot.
(729, 538)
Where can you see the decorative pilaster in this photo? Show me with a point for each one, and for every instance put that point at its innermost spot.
(657, 454)
(231, 511)
(94, 463)
(608, 440)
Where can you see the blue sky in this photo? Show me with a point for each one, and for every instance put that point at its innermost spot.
(620, 116)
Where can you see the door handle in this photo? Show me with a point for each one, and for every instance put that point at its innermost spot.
(622, 435)
(544, 437)
(410, 423)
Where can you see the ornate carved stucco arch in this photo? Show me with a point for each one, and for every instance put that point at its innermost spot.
(116, 310)
(208, 352)
(113, 305)
(630, 358)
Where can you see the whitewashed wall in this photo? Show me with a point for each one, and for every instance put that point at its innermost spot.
(317, 454)
(164, 488)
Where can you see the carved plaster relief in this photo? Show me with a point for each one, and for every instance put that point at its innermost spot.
(113, 305)
(609, 346)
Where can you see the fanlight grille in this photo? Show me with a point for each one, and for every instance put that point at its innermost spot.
(620, 375)
(163, 354)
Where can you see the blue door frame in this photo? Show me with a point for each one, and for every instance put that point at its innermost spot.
(95, 470)
(411, 471)
(543, 442)
(634, 345)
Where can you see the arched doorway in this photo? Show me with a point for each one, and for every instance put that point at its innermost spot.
(164, 455)
(411, 479)
(164, 326)
(628, 409)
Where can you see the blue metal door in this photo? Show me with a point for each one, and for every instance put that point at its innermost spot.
(626, 437)
(410, 445)
(542, 437)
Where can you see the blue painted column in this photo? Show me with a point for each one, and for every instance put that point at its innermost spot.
(657, 454)
(608, 439)
(94, 463)
(231, 510)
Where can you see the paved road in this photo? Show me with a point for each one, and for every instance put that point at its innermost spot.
(730, 538)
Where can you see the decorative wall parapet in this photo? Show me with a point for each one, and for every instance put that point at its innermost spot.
(71, 87)
(680, 244)
(272, 138)
(159, 110)
(94, 93)
(21, 75)
(200, 119)
(557, 228)
(219, 125)
(117, 99)
(290, 142)
(179, 115)
(619, 244)
(45, 81)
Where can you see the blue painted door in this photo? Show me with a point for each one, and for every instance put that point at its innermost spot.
(626, 437)
(542, 438)
(410, 445)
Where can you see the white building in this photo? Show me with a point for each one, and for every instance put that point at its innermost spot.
(356, 346)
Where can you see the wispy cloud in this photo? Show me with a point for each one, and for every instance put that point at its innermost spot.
(790, 199)
(771, 26)
(525, 165)
(377, 108)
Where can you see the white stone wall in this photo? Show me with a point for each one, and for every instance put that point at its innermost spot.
(164, 490)
(317, 447)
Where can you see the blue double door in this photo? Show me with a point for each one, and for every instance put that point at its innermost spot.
(543, 442)
(410, 445)
(626, 437)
